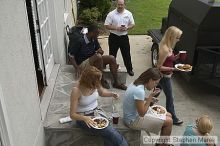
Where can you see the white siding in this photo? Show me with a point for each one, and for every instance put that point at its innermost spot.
(59, 10)
(17, 74)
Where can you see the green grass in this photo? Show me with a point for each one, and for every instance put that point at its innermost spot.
(147, 14)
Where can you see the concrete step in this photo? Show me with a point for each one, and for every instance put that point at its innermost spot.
(69, 134)
(122, 75)
(107, 75)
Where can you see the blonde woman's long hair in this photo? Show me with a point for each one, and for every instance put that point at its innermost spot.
(171, 34)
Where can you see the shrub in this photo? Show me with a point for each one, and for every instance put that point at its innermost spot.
(90, 16)
(102, 5)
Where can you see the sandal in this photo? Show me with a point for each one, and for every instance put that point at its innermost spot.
(120, 86)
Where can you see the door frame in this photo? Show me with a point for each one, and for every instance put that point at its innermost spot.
(45, 36)
(39, 41)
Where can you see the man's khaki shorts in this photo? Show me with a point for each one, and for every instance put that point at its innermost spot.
(84, 64)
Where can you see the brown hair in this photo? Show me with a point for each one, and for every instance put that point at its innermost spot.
(90, 78)
(151, 73)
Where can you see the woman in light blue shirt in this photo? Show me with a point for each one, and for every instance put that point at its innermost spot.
(136, 104)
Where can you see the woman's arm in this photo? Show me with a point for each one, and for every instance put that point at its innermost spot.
(75, 95)
(143, 105)
(105, 93)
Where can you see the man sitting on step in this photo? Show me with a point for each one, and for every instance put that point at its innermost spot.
(87, 51)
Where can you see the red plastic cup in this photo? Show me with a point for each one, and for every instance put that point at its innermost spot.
(115, 117)
(183, 55)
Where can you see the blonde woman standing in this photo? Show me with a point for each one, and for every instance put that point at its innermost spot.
(165, 64)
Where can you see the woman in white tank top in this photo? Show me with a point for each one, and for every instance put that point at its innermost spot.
(84, 99)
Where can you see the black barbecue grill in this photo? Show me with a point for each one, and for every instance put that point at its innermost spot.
(200, 23)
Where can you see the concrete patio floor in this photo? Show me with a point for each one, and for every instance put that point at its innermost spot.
(192, 99)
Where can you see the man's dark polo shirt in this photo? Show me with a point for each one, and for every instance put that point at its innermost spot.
(83, 49)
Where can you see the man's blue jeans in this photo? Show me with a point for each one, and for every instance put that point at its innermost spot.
(166, 84)
(110, 135)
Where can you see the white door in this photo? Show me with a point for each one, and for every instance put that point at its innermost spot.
(45, 36)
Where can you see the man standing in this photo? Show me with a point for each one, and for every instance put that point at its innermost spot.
(86, 51)
(119, 21)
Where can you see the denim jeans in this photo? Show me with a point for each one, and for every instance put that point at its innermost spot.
(110, 135)
(166, 84)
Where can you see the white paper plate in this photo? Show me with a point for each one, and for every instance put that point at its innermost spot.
(161, 107)
(153, 113)
(176, 66)
(100, 118)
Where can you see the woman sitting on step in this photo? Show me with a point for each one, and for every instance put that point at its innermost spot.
(84, 103)
(136, 104)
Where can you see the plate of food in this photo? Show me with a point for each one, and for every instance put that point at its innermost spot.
(184, 67)
(158, 109)
(101, 122)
